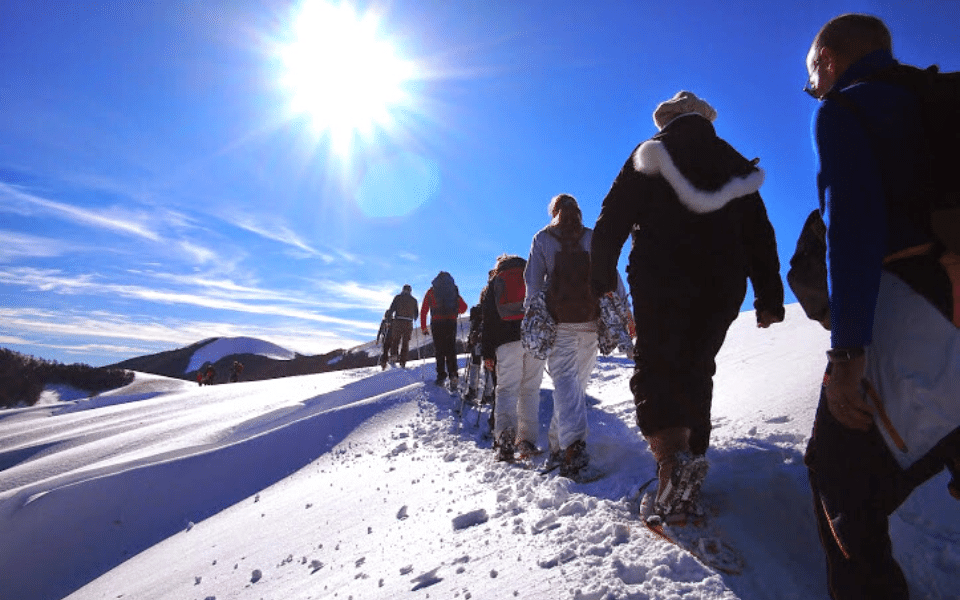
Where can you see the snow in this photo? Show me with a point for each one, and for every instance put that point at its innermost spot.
(365, 484)
(53, 394)
(220, 347)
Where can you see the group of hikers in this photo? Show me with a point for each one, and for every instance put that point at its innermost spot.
(885, 281)
(207, 374)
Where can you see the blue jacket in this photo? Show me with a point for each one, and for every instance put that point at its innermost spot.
(864, 175)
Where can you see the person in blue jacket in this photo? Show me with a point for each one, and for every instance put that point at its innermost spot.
(893, 354)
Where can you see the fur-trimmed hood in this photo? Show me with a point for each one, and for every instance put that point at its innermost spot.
(704, 171)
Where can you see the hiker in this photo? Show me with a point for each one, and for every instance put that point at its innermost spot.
(444, 303)
(518, 373)
(889, 405)
(209, 375)
(700, 229)
(383, 335)
(475, 364)
(558, 276)
(236, 369)
(402, 312)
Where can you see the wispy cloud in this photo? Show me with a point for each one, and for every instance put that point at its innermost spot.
(12, 339)
(15, 245)
(259, 302)
(278, 233)
(356, 295)
(21, 202)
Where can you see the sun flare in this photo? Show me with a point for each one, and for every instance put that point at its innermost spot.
(342, 74)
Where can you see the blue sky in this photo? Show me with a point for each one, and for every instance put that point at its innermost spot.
(169, 171)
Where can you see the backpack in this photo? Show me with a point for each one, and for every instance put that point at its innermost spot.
(938, 200)
(570, 297)
(808, 270)
(510, 289)
(446, 294)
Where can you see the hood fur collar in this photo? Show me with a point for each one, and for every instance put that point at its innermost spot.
(652, 159)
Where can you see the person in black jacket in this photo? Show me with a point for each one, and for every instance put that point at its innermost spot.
(700, 230)
(518, 373)
(403, 310)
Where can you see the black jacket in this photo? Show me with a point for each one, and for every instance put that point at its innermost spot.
(404, 305)
(496, 331)
(700, 228)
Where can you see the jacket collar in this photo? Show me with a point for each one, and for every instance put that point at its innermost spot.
(868, 65)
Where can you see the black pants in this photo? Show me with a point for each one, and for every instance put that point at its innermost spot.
(400, 330)
(675, 358)
(445, 345)
(857, 484)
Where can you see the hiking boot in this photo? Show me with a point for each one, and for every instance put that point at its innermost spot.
(575, 458)
(554, 459)
(471, 395)
(505, 447)
(527, 450)
(679, 473)
(679, 490)
(440, 379)
(454, 383)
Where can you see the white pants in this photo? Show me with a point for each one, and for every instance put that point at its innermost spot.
(570, 362)
(518, 392)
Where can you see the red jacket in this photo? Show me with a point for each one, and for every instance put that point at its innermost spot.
(430, 304)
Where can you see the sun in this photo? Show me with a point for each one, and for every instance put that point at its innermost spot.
(342, 74)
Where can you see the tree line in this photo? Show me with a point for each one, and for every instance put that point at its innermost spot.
(23, 378)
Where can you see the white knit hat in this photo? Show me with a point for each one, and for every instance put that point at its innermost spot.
(684, 102)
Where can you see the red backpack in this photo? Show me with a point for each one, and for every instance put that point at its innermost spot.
(510, 289)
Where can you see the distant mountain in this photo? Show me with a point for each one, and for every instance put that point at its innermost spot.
(265, 360)
(260, 359)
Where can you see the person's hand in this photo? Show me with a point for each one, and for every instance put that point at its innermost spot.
(844, 400)
(489, 364)
(766, 318)
(425, 330)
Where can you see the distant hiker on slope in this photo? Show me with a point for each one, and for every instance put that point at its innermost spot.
(444, 303)
(383, 335)
(236, 369)
(516, 422)
(475, 364)
(402, 312)
(209, 375)
(889, 412)
(700, 229)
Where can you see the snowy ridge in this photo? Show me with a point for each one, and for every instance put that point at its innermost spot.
(365, 484)
(220, 347)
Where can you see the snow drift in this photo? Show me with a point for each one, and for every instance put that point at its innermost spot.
(368, 484)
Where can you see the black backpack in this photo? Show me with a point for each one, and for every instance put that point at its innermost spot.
(570, 297)
(938, 201)
(808, 270)
(446, 294)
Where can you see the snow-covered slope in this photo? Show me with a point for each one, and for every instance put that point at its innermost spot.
(221, 347)
(366, 484)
